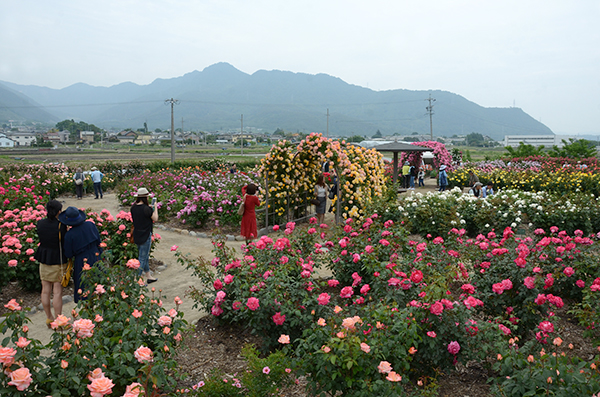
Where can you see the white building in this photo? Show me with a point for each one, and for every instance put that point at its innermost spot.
(536, 140)
(5, 142)
(22, 138)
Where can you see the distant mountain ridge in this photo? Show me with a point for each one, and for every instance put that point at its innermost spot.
(216, 97)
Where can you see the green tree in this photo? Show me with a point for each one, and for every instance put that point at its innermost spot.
(378, 134)
(525, 150)
(279, 131)
(475, 139)
(355, 138)
(574, 149)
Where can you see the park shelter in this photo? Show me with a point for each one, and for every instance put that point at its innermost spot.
(396, 147)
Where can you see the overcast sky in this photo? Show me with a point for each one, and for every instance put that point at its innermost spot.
(541, 56)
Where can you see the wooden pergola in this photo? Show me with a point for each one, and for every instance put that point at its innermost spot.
(396, 147)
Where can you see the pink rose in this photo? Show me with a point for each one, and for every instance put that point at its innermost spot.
(218, 284)
(453, 348)
(437, 308)
(164, 320)
(568, 271)
(364, 347)
(7, 355)
(100, 387)
(346, 292)
(384, 367)
(12, 305)
(284, 339)
(431, 334)
(133, 263)
(133, 390)
(529, 282)
(278, 318)
(20, 378)
(323, 298)
(546, 326)
(174, 248)
(393, 377)
(84, 328)
(23, 342)
(333, 283)
(253, 303)
(142, 354)
(12, 263)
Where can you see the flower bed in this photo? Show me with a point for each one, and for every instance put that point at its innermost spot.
(436, 213)
(192, 196)
(556, 175)
(396, 311)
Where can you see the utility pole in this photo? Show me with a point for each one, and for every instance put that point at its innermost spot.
(172, 102)
(430, 111)
(327, 123)
(242, 134)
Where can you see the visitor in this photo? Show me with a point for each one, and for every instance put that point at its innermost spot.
(233, 169)
(476, 189)
(413, 176)
(421, 176)
(143, 216)
(487, 190)
(249, 229)
(97, 179)
(333, 191)
(321, 192)
(472, 178)
(443, 178)
(52, 260)
(79, 179)
(406, 175)
(82, 243)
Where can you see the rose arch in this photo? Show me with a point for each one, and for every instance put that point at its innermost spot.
(292, 172)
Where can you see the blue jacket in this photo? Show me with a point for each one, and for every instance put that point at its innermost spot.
(443, 178)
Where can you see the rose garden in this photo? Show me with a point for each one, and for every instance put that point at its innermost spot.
(402, 289)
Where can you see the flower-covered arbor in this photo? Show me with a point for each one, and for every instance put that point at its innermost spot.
(292, 172)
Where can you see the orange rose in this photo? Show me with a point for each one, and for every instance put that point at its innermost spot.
(100, 387)
(21, 378)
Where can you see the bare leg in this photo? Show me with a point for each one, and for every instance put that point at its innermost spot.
(46, 290)
(57, 302)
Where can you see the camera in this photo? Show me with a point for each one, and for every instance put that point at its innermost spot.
(153, 201)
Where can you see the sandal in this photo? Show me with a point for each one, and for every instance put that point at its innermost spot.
(152, 280)
(48, 323)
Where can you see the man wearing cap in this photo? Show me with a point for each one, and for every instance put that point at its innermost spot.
(97, 179)
(82, 243)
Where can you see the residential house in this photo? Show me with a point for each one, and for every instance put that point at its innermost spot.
(143, 139)
(22, 138)
(64, 136)
(52, 137)
(86, 136)
(127, 137)
(6, 142)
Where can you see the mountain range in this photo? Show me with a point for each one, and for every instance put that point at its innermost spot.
(216, 97)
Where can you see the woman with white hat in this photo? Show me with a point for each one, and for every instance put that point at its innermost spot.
(443, 178)
(82, 243)
(143, 217)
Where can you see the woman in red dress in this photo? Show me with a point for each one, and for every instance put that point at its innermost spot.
(249, 230)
